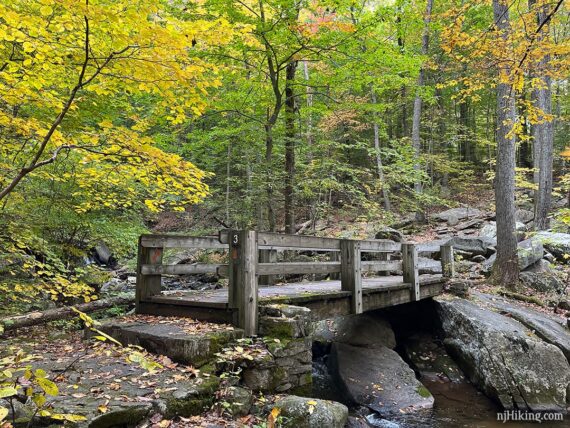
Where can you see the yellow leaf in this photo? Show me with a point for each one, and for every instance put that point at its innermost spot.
(3, 413)
(102, 409)
(46, 10)
(48, 386)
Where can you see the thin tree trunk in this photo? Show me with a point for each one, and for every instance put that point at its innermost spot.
(506, 269)
(417, 115)
(543, 134)
(309, 93)
(379, 166)
(228, 171)
(269, 183)
(290, 136)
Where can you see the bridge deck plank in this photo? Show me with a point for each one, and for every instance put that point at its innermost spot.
(291, 292)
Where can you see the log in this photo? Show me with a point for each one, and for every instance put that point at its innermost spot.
(42, 317)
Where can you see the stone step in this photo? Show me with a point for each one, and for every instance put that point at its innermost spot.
(181, 339)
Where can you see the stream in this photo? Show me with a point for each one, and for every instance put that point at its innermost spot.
(458, 403)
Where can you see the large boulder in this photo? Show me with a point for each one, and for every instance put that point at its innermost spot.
(489, 230)
(390, 233)
(378, 379)
(524, 216)
(368, 330)
(504, 358)
(556, 243)
(543, 282)
(302, 412)
(549, 328)
(529, 252)
(454, 215)
(473, 245)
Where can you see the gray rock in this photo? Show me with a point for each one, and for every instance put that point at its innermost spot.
(459, 287)
(240, 400)
(503, 358)
(549, 328)
(529, 252)
(473, 245)
(489, 230)
(128, 391)
(429, 266)
(488, 264)
(103, 253)
(367, 330)
(379, 422)
(556, 243)
(540, 266)
(456, 214)
(301, 412)
(431, 248)
(356, 422)
(116, 285)
(389, 233)
(380, 380)
(542, 281)
(524, 216)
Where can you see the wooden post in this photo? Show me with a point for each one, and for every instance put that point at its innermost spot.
(447, 261)
(384, 257)
(267, 256)
(410, 269)
(243, 279)
(147, 285)
(351, 272)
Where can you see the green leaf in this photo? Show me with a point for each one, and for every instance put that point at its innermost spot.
(48, 386)
(39, 399)
(8, 391)
(40, 373)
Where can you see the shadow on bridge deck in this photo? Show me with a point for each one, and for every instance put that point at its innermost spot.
(324, 298)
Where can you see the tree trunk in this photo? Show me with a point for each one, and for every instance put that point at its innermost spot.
(290, 136)
(269, 184)
(417, 115)
(309, 93)
(36, 318)
(379, 166)
(543, 134)
(506, 269)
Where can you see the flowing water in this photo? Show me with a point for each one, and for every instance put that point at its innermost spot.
(457, 404)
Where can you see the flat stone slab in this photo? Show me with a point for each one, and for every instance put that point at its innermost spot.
(549, 328)
(96, 382)
(379, 379)
(181, 339)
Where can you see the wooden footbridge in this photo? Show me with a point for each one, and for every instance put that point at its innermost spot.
(251, 262)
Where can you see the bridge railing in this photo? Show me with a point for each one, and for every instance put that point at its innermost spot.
(244, 266)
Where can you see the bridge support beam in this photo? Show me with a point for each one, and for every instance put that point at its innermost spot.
(351, 272)
(243, 288)
(410, 269)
